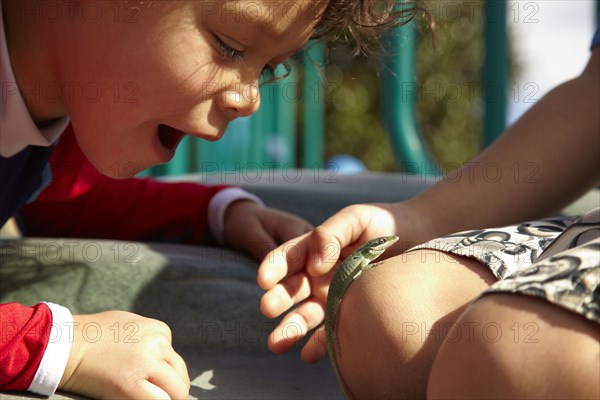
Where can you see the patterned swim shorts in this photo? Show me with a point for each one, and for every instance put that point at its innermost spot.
(557, 259)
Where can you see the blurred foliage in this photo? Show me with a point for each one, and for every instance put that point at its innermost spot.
(353, 114)
(449, 108)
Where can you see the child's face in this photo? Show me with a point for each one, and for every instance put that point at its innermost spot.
(189, 65)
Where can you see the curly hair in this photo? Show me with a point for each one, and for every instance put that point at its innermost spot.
(363, 21)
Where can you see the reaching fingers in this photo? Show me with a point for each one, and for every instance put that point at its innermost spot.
(316, 251)
(336, 233)
(293, 256)
(296, 325)
(292, 291)
(284, 295)
(324, 250)
(285, 260)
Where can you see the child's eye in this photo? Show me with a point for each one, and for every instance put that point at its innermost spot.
(227, 51)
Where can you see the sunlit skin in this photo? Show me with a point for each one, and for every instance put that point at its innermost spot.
(124, 69)
(195, 66)
(427, 288)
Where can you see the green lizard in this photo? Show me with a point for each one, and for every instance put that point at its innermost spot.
(348, 271)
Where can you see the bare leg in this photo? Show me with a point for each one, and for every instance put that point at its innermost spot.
(394, 318)
(520, 347)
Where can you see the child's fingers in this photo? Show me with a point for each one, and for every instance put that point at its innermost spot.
(317, 251)
(148, 390)
(296, 325)
(285, 294)
(293, 290)
(177, 362)
(169, 380)
(285, 260)
(291, 229)
(258, 242)
(329, 239)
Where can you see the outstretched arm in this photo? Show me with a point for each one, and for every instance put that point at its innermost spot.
(544, 161)
(541, 163)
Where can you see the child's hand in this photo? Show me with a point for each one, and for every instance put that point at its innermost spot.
(300, 271)
(258, 230)
(117, 354)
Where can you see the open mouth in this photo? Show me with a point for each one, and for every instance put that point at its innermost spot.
(169, 137)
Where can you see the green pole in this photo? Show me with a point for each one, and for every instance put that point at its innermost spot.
(285, 120)
(314, 107)
(399, 93)
(495, 70)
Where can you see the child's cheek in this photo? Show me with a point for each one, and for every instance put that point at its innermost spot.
(116, 148)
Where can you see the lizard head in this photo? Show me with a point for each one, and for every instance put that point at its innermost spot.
(374, 248)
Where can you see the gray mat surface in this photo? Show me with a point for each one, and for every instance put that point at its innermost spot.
(208, 296)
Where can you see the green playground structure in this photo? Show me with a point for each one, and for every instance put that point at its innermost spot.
(270, 138)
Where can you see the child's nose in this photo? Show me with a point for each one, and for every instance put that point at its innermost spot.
(242, 101)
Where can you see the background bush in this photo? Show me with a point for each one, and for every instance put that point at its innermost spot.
(453, 129)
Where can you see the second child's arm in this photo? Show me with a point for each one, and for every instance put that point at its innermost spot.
(544, 161)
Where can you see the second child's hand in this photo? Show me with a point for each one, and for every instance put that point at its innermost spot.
(257, 230)
(297, 274)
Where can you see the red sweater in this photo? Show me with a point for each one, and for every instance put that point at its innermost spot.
(80, 202)
(24, 333)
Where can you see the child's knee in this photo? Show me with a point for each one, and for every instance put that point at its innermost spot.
(394, 317)
(382, 327)
(501, 339)
(378, 305)
(406, 301)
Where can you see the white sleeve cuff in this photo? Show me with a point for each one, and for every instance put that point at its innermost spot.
(218, 205)
(54, 360)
